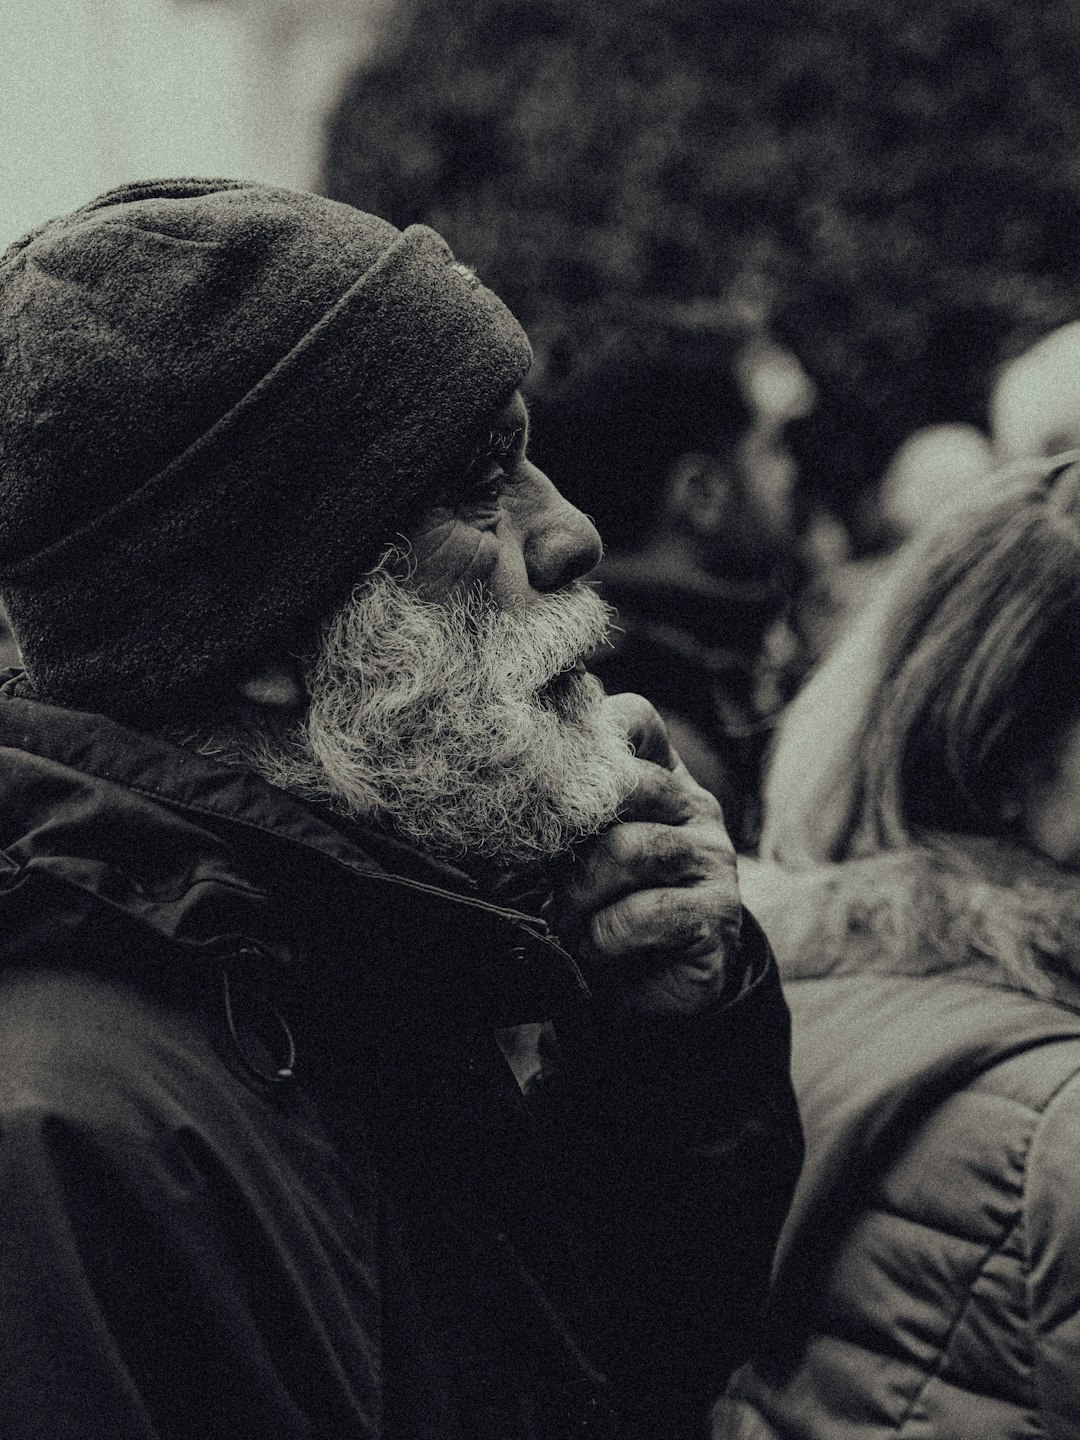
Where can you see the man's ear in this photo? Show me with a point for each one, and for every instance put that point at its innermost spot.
(278, 687)
(698, 492)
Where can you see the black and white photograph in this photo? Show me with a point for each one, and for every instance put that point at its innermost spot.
(539, 720)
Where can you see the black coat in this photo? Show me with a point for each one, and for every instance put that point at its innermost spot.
(264, 1172)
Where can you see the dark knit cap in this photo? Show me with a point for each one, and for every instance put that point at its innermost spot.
(218, 403)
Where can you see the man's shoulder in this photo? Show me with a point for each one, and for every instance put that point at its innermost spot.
(100, 1053)
(146, 1088)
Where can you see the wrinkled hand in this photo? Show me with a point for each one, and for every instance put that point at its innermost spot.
(651, 906)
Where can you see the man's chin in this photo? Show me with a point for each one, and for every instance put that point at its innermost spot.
(574, 694)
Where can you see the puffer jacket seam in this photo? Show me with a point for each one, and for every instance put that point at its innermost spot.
(1017, 1226)
(935, 1370)
(1026, 1257)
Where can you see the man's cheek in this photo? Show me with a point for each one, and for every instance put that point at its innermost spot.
(452, 557)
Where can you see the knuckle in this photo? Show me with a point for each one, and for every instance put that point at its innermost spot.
(649, 787)
(705, 917)
(667, 922)
(671, 860)
(696, 931)
(681, 859)
(642, 722)
(609, 931)
(630, 706)
(709, 807)
(640, 849)
(714, 844)
(623, 844)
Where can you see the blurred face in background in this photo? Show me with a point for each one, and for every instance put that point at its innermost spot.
(1050, 805)
(937, 472)
(737, 495)
(777, 391)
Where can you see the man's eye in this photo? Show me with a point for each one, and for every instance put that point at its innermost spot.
(485, 484)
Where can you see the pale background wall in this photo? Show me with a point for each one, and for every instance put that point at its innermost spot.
(96, 92)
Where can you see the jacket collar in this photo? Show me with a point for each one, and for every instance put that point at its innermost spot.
(199, 855)
(998, 911)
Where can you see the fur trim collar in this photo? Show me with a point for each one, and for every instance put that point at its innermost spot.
(1001, 912)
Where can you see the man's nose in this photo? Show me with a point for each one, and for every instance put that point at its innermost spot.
(563, 545)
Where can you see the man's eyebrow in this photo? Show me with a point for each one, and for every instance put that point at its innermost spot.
(502, 440)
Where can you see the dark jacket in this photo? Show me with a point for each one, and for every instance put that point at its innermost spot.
(264, 1172)
(929, 1277)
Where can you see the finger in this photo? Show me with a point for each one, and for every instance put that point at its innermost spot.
(636, 856)
(644, 728)
(659, 794)
(688, 923)
(665, 789)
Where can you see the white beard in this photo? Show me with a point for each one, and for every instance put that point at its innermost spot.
(467, 729)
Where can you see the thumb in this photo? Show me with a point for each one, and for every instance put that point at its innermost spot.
(644, 728)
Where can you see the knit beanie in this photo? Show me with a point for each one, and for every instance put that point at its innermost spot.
(219, 402)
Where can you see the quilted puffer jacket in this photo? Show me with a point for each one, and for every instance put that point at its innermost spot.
(928, 1278)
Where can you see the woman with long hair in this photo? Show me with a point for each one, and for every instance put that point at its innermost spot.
(920, 881)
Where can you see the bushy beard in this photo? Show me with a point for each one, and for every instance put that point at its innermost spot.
(469, 730)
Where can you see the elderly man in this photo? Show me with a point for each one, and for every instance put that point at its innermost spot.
(308, 805)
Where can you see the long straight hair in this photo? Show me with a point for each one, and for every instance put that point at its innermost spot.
(945, 697)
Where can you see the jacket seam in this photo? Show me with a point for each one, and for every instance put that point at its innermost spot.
(504, 912)
(935, 1370)
(1017, 1226)
(1025, 1258)
(535, 928)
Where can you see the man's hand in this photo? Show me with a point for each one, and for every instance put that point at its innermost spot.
(652, 905)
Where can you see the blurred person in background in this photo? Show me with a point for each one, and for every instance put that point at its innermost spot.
(1035, 398)
(307, 805)
(937, 472)
(703, 599)
(1033, 410)
(920, 880)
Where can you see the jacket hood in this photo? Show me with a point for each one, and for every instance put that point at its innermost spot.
(999, 912)
(143, 848)
(907, 975)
